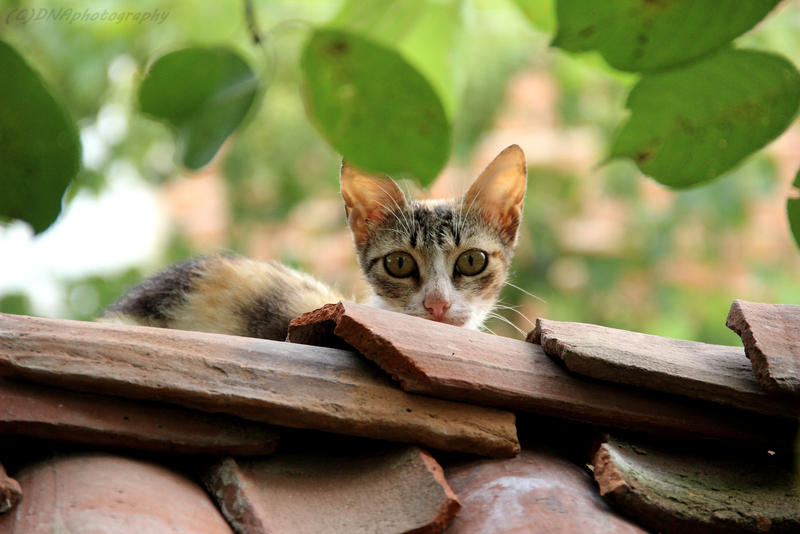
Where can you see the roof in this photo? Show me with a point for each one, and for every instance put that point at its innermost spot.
(371, 421)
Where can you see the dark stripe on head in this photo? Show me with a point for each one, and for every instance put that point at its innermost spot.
(390, 289)
(372, 263)
(485, 281)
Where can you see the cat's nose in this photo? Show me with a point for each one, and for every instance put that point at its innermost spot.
(437, 308)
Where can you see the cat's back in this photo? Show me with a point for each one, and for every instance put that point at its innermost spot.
(223, 294)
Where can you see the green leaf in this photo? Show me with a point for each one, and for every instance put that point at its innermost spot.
(40, 150)
(689, 125)
(793, 210)
(373, 107)
(540, 13)
(635, 35)
(426, 33)
(204, 93)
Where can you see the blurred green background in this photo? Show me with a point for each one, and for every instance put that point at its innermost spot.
(601, 243)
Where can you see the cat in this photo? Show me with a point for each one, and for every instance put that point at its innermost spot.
(444, 260)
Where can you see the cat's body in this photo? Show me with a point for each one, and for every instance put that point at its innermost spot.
(444, 260)
(223, 294)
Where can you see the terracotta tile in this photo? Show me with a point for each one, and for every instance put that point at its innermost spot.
(455, 363)
(535, 492)
(771, 337)
(89, 494)
(703, 490)
(10, 491)
(393, 491)
(715, 373)
(31, 410)
(270, 381)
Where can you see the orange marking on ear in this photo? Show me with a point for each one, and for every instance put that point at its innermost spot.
(368, 198)
(499, 191)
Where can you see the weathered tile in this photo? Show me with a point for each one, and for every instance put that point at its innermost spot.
(10, 491)
(270, 381)
(455, 363)
(392, 491)
(715, 373)
(92, 493)
(534, 492)
(699, 490)
(32, 410)
(771, 337)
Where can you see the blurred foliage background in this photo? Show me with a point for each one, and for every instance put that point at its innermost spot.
(600, 243)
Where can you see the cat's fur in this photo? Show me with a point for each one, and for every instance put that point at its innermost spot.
(240, 296)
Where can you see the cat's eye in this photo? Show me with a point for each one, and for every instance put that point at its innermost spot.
(471, 262)
(399, 264)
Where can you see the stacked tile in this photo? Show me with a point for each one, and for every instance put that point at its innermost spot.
(56, 414)
(390, 490)
(10, 491)
(107, 493)
(536, 492)
(674, 487)
(771, 337)
(706, 491)
(451, 362)
(280, 383)
(716, 373)
(634, 381)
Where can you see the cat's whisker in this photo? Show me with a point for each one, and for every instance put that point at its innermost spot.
(461, 218)
(515, 310)
(472, 202)
(393, 212)
(540, 299)
(456, 212)
(405, 187)
(507, 321)
(475, 197)
(394, 230)
(463, 215)
(408, 226)
(484, 327)
(503, 303)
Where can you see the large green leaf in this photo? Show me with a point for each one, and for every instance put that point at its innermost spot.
(374, 108)
(426, 33)
(692, 124)
(540, 13)
(793, 210)
(637, 35)
(39, 146)
(204, 93)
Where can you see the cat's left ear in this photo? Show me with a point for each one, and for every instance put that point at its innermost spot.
(499, 191)
(368, 200)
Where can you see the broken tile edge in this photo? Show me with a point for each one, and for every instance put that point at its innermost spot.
(221, 483)
(10, 491)
(645, 496)
(737, 322)
(451, 505)
(575, 354)
(494, 436)
(308, 327)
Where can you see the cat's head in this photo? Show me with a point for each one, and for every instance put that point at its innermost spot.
(444, 260)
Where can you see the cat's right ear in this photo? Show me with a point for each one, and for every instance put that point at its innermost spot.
(499, 192)
(368, 200)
